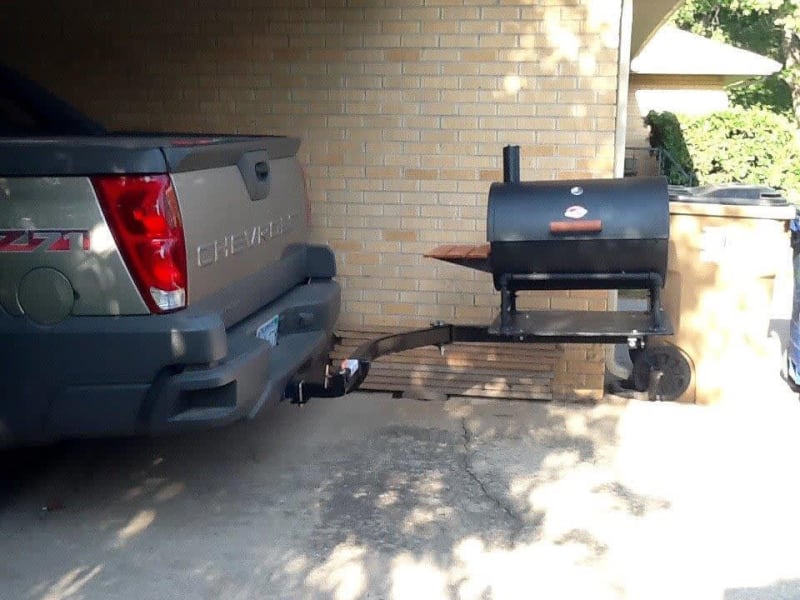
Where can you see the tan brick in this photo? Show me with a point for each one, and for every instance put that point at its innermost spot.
(440, 27)
(421, 173)
(436, 311)
(460, 13)
(412, 40)
(461, 68)
(434, 54)
(595, 384)
(505, 13)
(394, 308)
(422, 14)
(346, 271)
(478, 26)
(402, 55)
(346, 245)
(421, 68)
(396, 257)
(438, 185)
(458, 41)
(403, 185)
(366, 308)
(400, 135)
(398, 284)
(556, 137)
(477, 314)
(598, 304)
(400, 236)
(574, 352)
(443, 82)
(361, 258)
(401, 26)
(377, 321)
(450, 212)
(401, 210)
(585, 367)
(380, 271)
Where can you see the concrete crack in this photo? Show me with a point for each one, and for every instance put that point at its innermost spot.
(519, 523)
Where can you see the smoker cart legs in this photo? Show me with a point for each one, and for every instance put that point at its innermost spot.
(509, 284)
(508, 306)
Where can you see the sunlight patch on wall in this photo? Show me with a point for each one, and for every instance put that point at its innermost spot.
(566, 42)
(604, 19)
(513, 84)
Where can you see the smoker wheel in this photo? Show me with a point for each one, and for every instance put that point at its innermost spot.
(664, 358)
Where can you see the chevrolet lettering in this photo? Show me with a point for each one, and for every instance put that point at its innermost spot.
(208, 254)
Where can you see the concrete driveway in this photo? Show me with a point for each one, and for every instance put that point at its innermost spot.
(373, 497)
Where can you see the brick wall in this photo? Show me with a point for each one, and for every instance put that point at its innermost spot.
(403, 105)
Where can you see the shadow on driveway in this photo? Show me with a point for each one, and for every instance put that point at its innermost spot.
(364, 496)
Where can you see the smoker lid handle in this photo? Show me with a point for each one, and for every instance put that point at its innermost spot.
(557, 227)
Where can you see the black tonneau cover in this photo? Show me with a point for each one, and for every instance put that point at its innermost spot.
(133, 154)
(55, 139)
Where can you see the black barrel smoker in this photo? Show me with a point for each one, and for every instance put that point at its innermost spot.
(558, 235)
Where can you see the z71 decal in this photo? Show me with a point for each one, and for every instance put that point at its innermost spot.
(45, 240)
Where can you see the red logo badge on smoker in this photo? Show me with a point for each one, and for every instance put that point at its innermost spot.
(575, 212)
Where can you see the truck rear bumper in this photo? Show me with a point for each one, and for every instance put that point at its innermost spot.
(107, 376)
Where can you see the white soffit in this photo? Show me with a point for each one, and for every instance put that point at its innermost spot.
(686, 102)
(672, 51)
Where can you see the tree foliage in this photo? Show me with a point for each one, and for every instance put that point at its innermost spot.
(768, 27)
(666, 134)
(738, 145)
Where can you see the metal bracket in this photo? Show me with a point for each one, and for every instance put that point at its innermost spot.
(351, 372)
(635, 343)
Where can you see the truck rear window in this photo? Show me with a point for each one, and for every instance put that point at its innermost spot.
(15, 119)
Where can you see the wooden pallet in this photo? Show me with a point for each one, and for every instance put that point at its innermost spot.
(519, 371)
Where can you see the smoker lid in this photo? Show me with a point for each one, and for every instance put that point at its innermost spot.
(634, 208)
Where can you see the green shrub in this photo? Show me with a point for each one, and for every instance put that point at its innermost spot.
(737, 145)
(666, 133)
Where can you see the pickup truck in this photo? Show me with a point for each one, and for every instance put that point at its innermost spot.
(150, 283)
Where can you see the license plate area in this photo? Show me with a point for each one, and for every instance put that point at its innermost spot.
(268, 331)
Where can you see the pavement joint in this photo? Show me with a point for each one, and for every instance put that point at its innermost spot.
(519, 523)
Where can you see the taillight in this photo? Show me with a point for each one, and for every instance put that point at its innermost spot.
(143, 215)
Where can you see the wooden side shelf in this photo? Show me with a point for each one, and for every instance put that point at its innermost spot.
(474, 257)
(450, 251)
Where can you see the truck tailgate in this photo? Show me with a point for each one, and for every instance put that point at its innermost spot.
(242, 202)
(244, 225)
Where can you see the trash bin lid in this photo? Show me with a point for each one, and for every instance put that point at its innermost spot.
(736, 194)
(731, 200)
